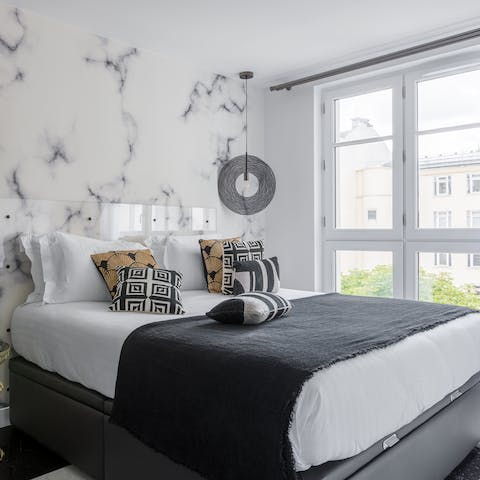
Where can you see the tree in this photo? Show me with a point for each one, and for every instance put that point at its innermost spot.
(370, 283)
(438, 288)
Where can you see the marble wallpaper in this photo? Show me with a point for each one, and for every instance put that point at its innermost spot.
(85, 121)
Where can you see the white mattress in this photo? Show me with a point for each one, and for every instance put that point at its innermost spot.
(341, 411)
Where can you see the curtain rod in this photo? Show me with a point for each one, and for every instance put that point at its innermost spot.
(406, 52)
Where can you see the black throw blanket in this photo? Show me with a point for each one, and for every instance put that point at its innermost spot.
(219, 398)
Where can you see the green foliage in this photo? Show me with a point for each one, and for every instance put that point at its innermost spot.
(370, 283)
(438, 288)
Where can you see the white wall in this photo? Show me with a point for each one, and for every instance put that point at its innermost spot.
(292, 219)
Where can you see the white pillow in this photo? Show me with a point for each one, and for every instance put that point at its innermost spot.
(183, 255)
(31, 245)
(69, 272)
(157, 245)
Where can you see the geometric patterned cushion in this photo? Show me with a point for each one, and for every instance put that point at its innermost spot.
(250, 308)
(256, 276)
(107, 264)
(212, 255)
(147, 290)
(238, 252)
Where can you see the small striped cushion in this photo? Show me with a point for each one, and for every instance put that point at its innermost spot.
(256, 276)
(238, 252)
(250, 308)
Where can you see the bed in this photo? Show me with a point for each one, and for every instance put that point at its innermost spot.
(426, 388)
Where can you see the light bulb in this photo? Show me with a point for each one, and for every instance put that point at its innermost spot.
(246, 182)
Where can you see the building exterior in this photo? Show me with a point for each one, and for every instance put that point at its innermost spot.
(448, 197)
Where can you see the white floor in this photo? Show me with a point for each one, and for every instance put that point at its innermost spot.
(67, 473)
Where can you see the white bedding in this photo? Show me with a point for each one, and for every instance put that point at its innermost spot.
(341, 411)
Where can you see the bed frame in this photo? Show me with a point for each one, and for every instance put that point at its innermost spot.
(73, 421)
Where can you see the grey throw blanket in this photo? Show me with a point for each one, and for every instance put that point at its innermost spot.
(219, 398)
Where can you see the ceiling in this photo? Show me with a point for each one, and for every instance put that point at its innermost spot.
(277, 39)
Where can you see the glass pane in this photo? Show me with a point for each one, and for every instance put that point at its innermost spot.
(128, 218)
(364, 116)
(364, 273)
(449, 101)
(449, 179)
(364, 185)
(452, 278)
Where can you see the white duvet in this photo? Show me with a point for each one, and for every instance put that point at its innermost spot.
(341, 411)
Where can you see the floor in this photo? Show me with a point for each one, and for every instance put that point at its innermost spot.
(25, 459)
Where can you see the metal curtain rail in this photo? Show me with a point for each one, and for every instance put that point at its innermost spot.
(406, 52)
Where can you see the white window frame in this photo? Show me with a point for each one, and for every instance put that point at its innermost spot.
(437, 261)
(429, 71)
(411, 255)
(471, 178)
(470, 215)
(471, 260)
(436, 218)
(443, 179)
(396, 248)
(329, 179)
(405, 239)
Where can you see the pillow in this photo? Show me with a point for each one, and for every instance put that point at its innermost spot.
(250, 309)
(107, 264)
(157, 245)
(212, 255)
(182, 254)
(31, 245)
(256, 276)
(145, 290)
(69, 273)
(238, 252)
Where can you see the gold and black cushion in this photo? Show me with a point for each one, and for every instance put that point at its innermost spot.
(107, 264)
(212, 255)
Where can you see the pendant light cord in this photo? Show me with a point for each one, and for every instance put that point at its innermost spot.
(245, 175)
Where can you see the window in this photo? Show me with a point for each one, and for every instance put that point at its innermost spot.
(443, 260)
(474, 260)
(442, 219)
(397, 150)
(443, 185)
(365, 273)
(362, 153)
(446, 138)
(473, 218)
(473, 183)
(446, 278)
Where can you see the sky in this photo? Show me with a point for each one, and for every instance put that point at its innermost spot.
(442, 102)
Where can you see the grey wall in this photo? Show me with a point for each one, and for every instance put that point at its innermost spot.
(292, 219)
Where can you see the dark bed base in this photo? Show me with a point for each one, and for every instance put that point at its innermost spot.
(73, 421)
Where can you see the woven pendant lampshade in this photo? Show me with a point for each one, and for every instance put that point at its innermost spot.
(246, 184)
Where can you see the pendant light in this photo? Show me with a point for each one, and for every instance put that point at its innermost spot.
(246, 76)
(246, 184)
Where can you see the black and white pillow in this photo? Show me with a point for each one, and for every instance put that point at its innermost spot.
(238, 252)
(256, 276)
(250, 308)
(146, 290)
